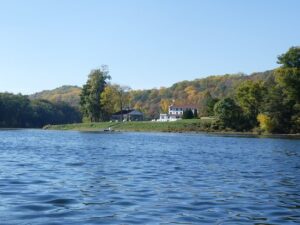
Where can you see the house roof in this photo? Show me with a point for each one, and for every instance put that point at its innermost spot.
(184, 106)
(136, 112)
(128, 111)
(124, 111)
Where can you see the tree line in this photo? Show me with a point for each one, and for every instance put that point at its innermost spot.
(18, 111)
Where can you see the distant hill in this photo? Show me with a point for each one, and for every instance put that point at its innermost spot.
(68, 94)
(192, 92)
(150, 101)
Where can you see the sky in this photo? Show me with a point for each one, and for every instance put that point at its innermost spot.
(45, 44)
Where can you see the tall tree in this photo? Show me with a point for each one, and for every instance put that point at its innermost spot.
(279, 109)
(90, 101)
(288, 75)
(290, 59)
(250, 96)
(288, 79)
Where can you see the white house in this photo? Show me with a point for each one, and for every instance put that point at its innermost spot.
(176, 112)
(163, 117)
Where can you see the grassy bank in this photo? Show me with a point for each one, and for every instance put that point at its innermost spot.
(194, 125)
(176, 126)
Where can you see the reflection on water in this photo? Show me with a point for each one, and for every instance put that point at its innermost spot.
(52, 177)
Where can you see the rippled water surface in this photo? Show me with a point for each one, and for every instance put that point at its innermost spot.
(53, 177)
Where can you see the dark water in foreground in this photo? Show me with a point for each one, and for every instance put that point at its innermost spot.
(52, 177)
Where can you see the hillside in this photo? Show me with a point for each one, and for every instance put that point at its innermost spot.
(66, 93)
(152, 101)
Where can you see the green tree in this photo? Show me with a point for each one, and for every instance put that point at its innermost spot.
(250, 96)
(187, 114)
(295, 119)
(288, 79)
(229, 114)
(279, 109)
(14, 110)
(290, 59)
(90, 97)
(207, 104)
(288, 75)
(195, 114)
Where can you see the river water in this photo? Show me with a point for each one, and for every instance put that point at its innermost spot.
(56, 177)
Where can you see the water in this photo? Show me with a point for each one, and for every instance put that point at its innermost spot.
(53, 177)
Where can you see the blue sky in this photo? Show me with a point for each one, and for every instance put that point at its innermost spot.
(146, 43)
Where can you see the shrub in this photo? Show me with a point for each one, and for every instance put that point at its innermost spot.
(265, 123)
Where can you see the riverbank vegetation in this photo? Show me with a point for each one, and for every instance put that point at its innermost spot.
(271, 106)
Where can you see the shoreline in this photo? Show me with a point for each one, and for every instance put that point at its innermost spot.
(218, 133)
(184, 126)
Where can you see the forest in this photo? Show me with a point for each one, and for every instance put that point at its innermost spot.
(18, 111)
(263, 102)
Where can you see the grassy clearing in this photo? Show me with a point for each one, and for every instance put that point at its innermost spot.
(176, 126)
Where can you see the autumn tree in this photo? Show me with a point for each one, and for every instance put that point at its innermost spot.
(109, 101)
(115, 98)
(164, 105)
(191, 92)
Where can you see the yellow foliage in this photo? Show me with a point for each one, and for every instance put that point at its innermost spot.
(138, 106)
(110, 99)
(164, 105)
(191, 92)
(265, 122)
